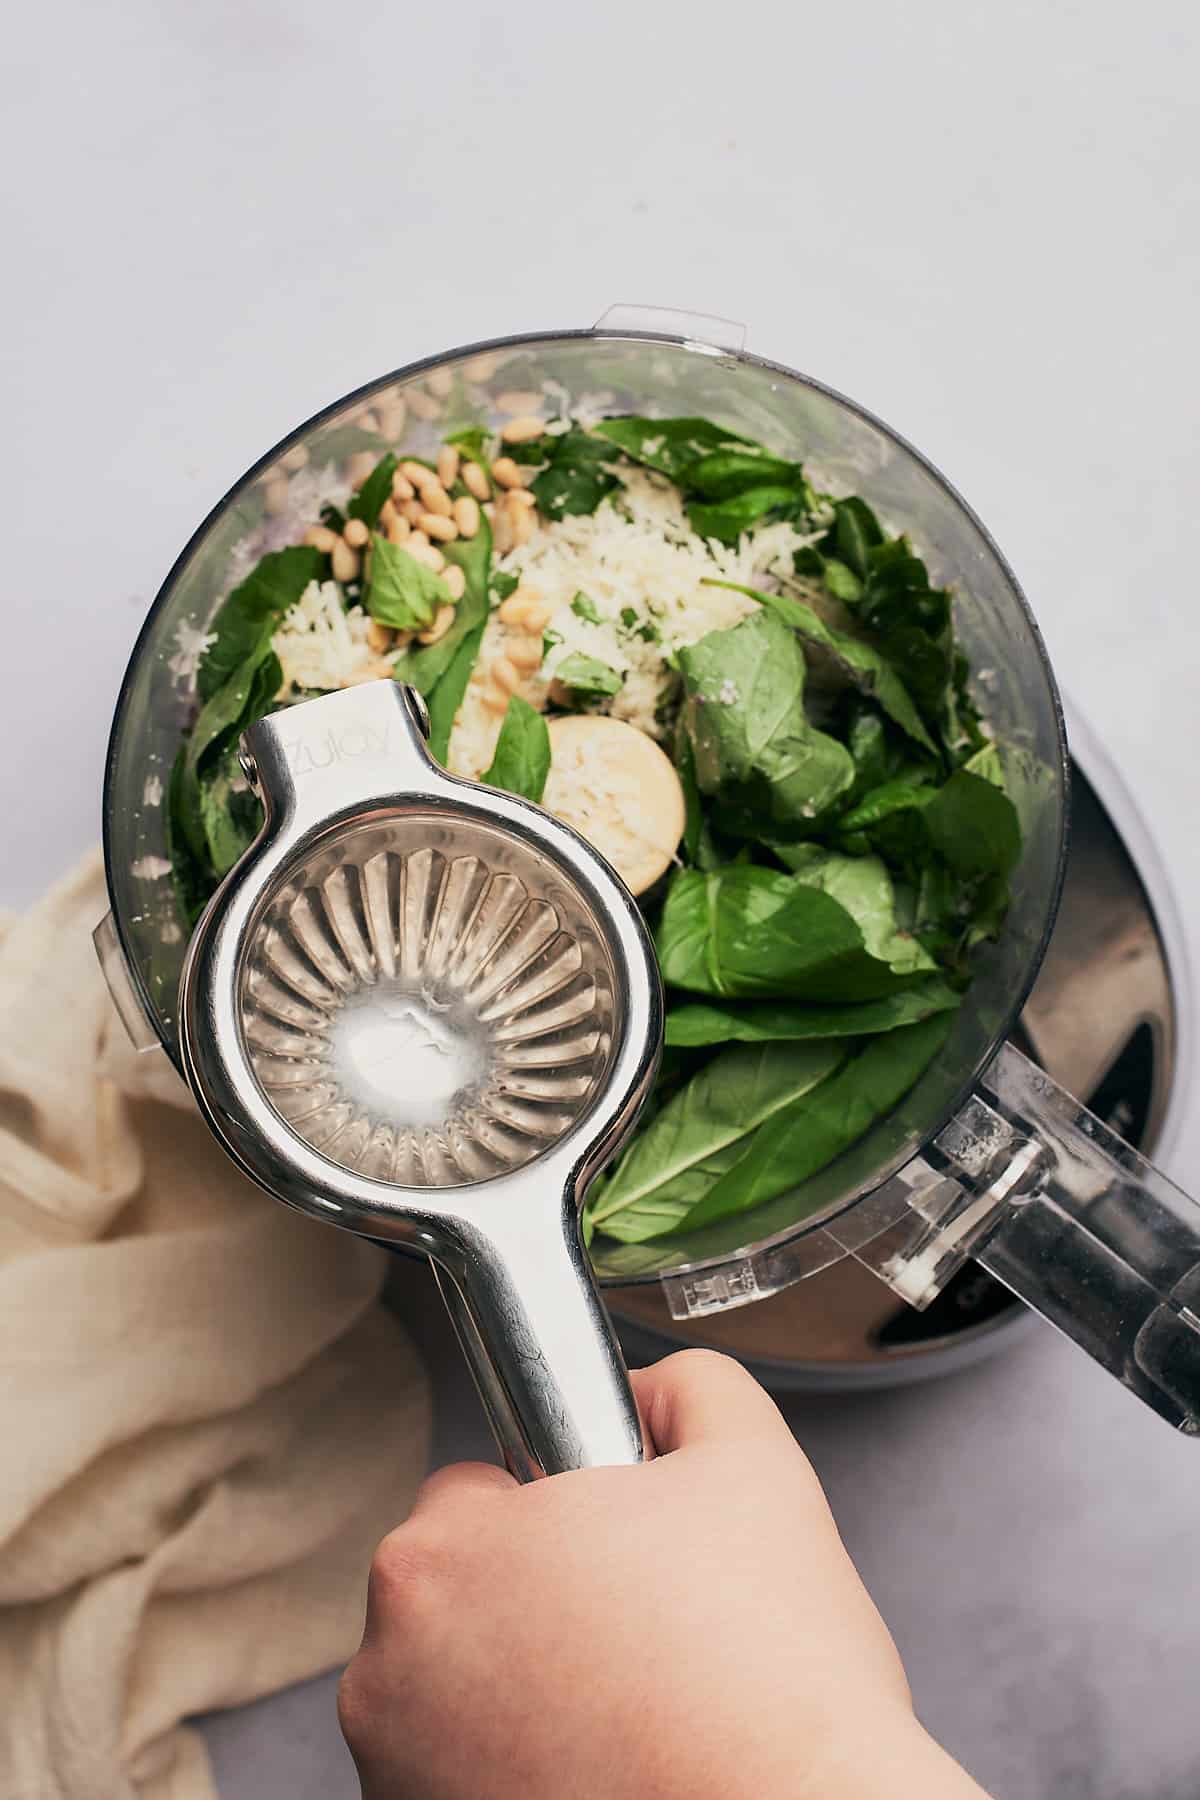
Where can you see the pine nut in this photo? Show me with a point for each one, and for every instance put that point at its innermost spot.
(387, 513)
(502, 531)
(466, 515)
(442, 621)
(435, 499)
(419, 538)
(415, 472)
(435, 526)
(294, 459)
(447, 465)
(392, 414)
(507, 473)
(488, 510)
(356, 533)
(398, 530)
(521, 524)
(359, 467)
(494, 698)
(401, 640)
(423, 406)
(275, 496)
(378, 636)
(537, 617)
(321, 538)
(402, 487)
(517, 608)
(521, 497)
(475, 481)
(455, 581)
(525, 652)
(440, 381)
(506, 674)
(523, 430)
(518, 400)
(346, 562)
(411, 510)
(429, 554)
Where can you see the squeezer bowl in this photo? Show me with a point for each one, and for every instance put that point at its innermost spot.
(425, 1002)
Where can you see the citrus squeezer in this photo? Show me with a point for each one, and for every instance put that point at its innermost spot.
(428, 1012)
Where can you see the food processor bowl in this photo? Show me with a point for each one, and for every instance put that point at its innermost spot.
(980, 1158)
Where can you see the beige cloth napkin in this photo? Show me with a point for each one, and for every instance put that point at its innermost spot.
(206, 1419)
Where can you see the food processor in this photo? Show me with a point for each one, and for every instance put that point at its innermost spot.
(986, 1165)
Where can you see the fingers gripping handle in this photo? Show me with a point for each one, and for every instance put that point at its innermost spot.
(545, 1360)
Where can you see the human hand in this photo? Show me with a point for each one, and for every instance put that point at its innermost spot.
(692, 1626)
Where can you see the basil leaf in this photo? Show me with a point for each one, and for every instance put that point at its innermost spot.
(504, 584)
(974, 826)
(367, 504)
(841, 581)
(694, 1026)
(912, 621)
(726, 520)
(754, 748)
(441, 671)
(807, 1135)
(671, 1165)
(272, 587)
(401, 591)
(247, 695)
(882, 803)
(862, 665)
(232, 815)
(829, 934)
(722, 474)
(447, 695)
(191, 875)
(668, 445)
(585, 608)
(522, 759)
(472, 442)
(577, 475)
(587, 675)
(856, 532)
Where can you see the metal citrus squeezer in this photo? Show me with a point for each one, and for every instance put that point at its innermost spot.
(428, 1012)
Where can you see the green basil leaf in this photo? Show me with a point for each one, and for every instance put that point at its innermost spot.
(841, 581)
(884, 801)
(767, 768)
(522, 759)
(862, 665)
(249, 693)
(856, 532)
(441, 671)
(974, 826)
(448, 692)
(272, 587)
(724, 473)
(695, 1026)
(671, 1165)
(367, 504)
(504, 584)
(587, 675)
(726, 520)
(402, 592)
(585, 608)
(577, 475)
(192, 875)
(668, 445)
(912, 622)
(473, 442)
(827, 934)
(818, 1126)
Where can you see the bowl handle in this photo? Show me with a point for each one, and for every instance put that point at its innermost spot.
(1039, 1192)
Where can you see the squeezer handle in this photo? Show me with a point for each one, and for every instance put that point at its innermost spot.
(544, 1356)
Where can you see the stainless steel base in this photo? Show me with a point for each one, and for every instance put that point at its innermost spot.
(1105, 1019)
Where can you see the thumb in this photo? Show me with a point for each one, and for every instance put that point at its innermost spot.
(700, 1396)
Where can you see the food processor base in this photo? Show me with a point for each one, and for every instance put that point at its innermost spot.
(1108, 1018)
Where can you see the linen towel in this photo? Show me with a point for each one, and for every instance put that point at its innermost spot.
(207, 1421)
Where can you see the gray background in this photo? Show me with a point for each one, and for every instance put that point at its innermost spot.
(981, 221)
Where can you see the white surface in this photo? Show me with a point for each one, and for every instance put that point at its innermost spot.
(981, 221)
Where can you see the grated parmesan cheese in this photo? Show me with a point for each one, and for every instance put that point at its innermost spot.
(321, 644)
(637, 556)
